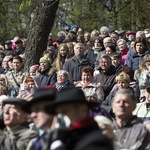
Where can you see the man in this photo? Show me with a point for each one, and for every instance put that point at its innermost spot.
(115, 37)
(41, 119)
(20, 49)
(107, 41)
(47, 73)
(72, 103)
(131, 133)
(106, 74)
(8, 47)
(76, 63)
(16, 136)
(5, 67)
(143, 109)
(16, 76)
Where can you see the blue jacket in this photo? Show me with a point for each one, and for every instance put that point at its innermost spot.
(135, 60)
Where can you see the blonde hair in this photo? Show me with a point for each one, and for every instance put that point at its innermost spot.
(123, 77)
(58, 63)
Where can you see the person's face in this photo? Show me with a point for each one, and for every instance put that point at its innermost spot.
(86, 37)
(87, 77)
(19, 45)
(74, 113)
(10, 64)
(104, 33)
(41, 119)
(13, 115)
(61, 79)
(32, 73)
(31, 85)
(123, 106)
(2, 82)
(17, 64)
(147, 64)
(97, 43)
(44, 65)
(63, 51)
(75, 30)
(122, 84)
(79, 50)
(121, 46)
(131, 37)
(8, 46)
(116, 62)
(107, 42)
(139, 47)
(105, 64)
(48, 55)
(132, 44)
(114, 37)
(108, 50)
(147, 95)
(5, 63)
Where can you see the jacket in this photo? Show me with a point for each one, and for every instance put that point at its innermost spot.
(135, 60)
(133, 134)
(74, 67)
(47, 77)
(141, 111)
(16, 139)
(107, 79)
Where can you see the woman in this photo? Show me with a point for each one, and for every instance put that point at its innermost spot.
(62, 56)
(110, 50)
(123, 81)
(142, 75)
(62, 80)
(90, 88)
(122, 47)
(140, 50)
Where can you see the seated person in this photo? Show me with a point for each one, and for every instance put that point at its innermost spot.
(143, 109)
(123, 81)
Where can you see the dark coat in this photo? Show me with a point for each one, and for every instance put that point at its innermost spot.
(78, 131)
(74, 67)
(107, 79)
(48, 77)
(135, 60)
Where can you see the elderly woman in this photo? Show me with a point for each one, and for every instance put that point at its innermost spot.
(123, 82)
(91, 89)
(122, 47)
(62, 80)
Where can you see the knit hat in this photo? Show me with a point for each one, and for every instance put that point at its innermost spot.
(45, 59)
(34, 68)
(74, 26)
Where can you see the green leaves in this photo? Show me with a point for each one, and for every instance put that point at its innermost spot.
(25, 3)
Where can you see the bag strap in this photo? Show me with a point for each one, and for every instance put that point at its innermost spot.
(15, 79)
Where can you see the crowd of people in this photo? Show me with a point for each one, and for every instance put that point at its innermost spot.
(89, 91)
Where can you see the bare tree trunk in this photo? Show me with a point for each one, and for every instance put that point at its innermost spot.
(41, 24)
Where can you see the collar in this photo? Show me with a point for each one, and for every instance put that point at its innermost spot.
(81, 124)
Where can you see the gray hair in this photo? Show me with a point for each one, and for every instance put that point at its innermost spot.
(79, 44)
(128, 92)
(121, 40)
(63, 72)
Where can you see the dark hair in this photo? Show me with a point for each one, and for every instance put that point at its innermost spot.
(113, 48)
(18, 58)
(87, 69)
(115, 56)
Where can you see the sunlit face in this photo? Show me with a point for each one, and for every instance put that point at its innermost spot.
(61, 79)
(31, 85)
(97, 43)
(108, 50)
(122, 84)
(17, 64)
(32, 73)
(79, 50)
(107, 42)
(63, 51)
(122, 46)
(13, 115)
(114, 37)
(123, 106)
(131, 37)
(87, 77)
(139, 47)
(105, 64)
(44, 65)
(86, 37)
(41, 119)
(5, 62)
